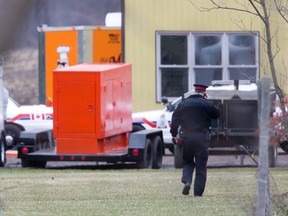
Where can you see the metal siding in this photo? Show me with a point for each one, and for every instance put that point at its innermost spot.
(144, 17)
(41, 68)
(88, 46)
(80, 45)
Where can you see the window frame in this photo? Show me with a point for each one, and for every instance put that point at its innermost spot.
(191, 65)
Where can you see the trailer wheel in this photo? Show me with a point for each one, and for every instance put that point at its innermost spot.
(147, 157)
(157, 153)
(178, 156)
(273, 153)
(284, 146)
(2, 154)
(13, 131)
(34, 164)
(171, 149)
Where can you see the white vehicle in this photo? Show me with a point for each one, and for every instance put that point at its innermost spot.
(219, 92)
(156, 119)
(26, 117)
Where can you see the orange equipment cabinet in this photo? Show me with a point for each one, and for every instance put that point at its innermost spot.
(72, 45)
(92, 108)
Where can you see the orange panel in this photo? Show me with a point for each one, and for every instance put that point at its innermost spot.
(54, 40)
(115, 142)
(91, 146)
(80, 118)
(108, 102)
(107, 46)
(78, 146)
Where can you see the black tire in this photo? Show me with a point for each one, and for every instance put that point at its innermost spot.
(273, 153)
(147, 157)
(157, 153)
(34, 164)
(284, 146)
(14, 131)
(3, 158)
(178, 156)
(171, 149)
(136, 127)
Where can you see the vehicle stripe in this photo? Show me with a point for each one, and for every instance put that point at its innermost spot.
(19, 117)
(30, 117)
(151, 124)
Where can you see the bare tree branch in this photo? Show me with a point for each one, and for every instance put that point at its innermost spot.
(223, 7)
(283, 11)
(256, 9)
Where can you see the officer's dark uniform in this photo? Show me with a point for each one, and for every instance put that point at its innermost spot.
(194, 114)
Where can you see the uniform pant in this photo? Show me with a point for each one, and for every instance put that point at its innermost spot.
(195, 156)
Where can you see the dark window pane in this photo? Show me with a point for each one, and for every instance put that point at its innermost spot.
(241, 50)
(174, 82)
(207, 75)
(208, 50)
(173, 50)
(243, 74)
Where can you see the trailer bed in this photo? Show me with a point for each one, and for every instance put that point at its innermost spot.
(50, 155)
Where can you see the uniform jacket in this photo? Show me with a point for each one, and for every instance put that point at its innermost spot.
(194, 114)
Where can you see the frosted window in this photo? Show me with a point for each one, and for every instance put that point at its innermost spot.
(208, 50)
(241, 50)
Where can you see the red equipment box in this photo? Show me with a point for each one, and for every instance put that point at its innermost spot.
(92, 105)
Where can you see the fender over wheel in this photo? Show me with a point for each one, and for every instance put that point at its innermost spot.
(136, 127)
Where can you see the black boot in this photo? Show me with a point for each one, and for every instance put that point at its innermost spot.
(186, 188)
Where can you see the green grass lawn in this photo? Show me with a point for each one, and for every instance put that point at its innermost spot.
(229, 191)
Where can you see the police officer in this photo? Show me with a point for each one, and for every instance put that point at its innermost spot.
(194, 115)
